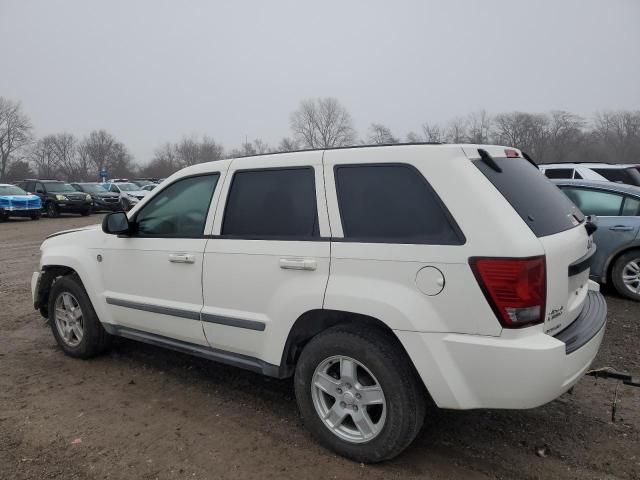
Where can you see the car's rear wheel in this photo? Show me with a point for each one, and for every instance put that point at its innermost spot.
(625, 275)
(74, 322)
(358, 393)
(52, 210)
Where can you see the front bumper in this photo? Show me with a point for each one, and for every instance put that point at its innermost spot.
(74, 206)
(520, 369)
(20, 212)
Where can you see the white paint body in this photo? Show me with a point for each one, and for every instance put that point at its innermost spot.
(463, 355)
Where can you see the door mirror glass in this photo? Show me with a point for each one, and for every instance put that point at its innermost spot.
(116, 223)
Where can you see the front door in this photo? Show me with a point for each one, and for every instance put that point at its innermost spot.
(153, 278)
(269, 262)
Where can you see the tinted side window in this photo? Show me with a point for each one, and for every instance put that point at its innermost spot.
(559, 172)
(40, 188)
(392, 203)
(277, 203)
(595, 202)
(631, 207)
(180, 210)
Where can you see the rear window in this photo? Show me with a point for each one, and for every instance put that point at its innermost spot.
(629, 176)
(559, 172)
(542, 206)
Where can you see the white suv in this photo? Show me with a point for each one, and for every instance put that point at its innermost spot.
(620, 173)
(381, 278)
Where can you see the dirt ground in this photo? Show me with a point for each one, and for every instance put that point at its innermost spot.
(144, 412)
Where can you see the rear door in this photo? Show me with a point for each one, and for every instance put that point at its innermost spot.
(558, 225)
(617, 220)
(268, 260)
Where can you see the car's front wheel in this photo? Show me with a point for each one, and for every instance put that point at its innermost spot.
(625, 275)
(52, 210)
(74, 322)
(358, 393)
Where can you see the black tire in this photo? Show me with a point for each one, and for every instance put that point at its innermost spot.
(618, 270)
(36, 216)
(95, 339)
(125, 205)
(86, 213)
(52, 210)
(3, 217)
(381, 354)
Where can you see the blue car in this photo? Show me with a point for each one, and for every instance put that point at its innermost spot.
(15, 202)
(617, 206)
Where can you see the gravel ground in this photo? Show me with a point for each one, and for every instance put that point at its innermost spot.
(144, 412)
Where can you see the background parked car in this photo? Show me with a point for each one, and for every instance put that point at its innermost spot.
(130, 193)
(617, 206)
(58, 197)
(625, 173)
(15, 202)
(102, 198)
(150, 187)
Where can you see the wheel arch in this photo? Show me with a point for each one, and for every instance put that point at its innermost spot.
(49, 274)
(611, 260)
(313, 322)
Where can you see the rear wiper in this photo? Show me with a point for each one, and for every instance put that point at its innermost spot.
(488, 160)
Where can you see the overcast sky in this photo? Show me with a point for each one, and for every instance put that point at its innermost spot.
(151, 71)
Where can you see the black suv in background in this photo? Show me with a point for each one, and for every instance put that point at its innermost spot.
(58, 197)
(102, 198)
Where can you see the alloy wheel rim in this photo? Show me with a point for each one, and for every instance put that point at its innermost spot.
(349, 399)
(631, 275)
(68, 319)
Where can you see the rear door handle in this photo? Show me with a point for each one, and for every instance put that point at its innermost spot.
(181, 258)
(298, 264)
(621, 228)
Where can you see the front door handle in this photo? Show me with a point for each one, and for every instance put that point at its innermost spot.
(298, 264)
(621, 228)
(181, 258)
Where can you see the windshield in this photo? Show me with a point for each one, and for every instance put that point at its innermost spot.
(11, 190)
(56, 187)
(92, 188)
(128, 187)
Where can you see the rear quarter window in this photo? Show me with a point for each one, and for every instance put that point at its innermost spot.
(542, 206)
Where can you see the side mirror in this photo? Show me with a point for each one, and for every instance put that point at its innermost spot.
(116, 223)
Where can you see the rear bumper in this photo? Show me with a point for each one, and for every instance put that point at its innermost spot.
(520, 369)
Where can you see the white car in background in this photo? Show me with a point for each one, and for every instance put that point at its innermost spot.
(130, 193)
(623, 173)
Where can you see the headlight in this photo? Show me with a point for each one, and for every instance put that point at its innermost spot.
(61, 197)
(87, 197)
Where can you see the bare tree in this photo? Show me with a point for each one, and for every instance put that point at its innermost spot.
(478, 127)
(433, 133)
(413, 137)
(380, 134)
(620, 133)
(210, 150)
(65, 152)
(457, 131)
(288, 145)
(103, 151)
(15, 132)
(564, 137)
(322, 123)
(526, 131)
(42, 157)
(19, 170)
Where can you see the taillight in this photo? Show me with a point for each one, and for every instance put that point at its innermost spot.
(516, 288)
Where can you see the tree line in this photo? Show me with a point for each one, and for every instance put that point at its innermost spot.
(554, 137)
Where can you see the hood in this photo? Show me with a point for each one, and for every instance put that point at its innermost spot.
(73, 230)
(13, 198)
(137, 193)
